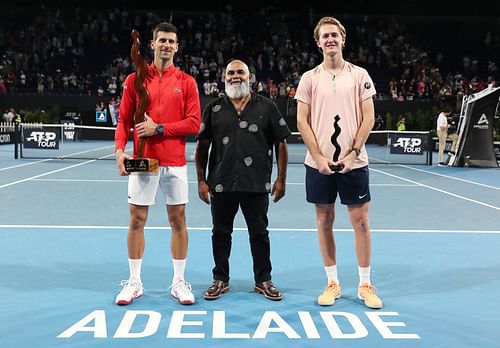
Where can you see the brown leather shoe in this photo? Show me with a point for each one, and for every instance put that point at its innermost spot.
(217, 288)
(268, 290)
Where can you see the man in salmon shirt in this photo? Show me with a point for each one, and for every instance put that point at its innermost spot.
(173, 113)
(335, 114)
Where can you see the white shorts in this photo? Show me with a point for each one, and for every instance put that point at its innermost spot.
(173, 183)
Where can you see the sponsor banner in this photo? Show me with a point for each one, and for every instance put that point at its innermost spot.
(408, 144)
(6, 137)
(41, 139)
(68, 129)
(101, 116)
(71, 115)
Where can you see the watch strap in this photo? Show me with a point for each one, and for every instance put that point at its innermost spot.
(159, 128)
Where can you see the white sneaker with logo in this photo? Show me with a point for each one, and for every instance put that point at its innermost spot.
(181, 290)
(131, 290)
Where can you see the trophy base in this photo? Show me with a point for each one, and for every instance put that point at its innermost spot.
(337, 167)
(143, 165)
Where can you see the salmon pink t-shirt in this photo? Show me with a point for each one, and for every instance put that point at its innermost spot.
(329, 97)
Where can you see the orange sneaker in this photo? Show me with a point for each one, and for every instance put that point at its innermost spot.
(366, 292)
(330, 294)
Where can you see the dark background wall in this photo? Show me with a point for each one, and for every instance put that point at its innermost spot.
(86, 106)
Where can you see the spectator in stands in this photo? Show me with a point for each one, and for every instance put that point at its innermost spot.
(18, 119)
(5, 115)
(273, 90)
(442, 126)
(207, 87)
(172, 114)
(3, 87)
(335, 115)
(214, 89)
(391, 50)
(9, 115)
(401, 125)
(234, 181)
(379, 123)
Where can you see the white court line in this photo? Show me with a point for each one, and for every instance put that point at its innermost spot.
(190, 182)
(101, 227)
(46, 173)
(82, 180)
(375, 170)
(25, 164)
(402, 185)
(450, 177)
(438, 190)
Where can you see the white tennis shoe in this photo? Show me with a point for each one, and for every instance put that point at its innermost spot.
(131, 290)
(181, 290)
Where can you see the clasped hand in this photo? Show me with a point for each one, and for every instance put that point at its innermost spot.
(146, 128)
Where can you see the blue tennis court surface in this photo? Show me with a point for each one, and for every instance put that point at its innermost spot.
(63, 226)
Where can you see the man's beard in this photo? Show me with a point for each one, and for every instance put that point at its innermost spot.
(237, 90)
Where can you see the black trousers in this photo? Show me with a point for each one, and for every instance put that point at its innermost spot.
(254, 207)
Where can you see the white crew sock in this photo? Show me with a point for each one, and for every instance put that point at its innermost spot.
(179, 267)
(331, 273)
(364, 275)
(135, 268)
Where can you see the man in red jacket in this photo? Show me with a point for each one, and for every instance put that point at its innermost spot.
(172, 114)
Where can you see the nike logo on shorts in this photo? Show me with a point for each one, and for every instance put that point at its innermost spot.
(362, 196)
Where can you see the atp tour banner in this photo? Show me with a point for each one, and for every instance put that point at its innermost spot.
(42, 138)
(475, 130)
(409, 143)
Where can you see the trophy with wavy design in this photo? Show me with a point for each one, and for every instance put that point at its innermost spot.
(139, 163)
(336, 145)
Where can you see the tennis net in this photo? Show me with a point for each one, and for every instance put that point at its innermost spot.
(383, 147)
(71, 141)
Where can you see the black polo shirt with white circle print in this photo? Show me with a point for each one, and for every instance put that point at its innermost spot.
(241, 153)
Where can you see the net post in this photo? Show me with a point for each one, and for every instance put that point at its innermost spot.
(387, 145)
(16, 140)
(430, 144)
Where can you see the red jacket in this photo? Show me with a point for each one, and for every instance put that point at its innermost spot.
(174, 102)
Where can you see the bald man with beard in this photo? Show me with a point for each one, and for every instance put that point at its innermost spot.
(238, 134)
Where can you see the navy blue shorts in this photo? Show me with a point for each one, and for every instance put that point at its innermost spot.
(352, 187)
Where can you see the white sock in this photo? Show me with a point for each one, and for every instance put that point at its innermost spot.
(331, 273)
(179, 267)
(135, 268)
(364, 275)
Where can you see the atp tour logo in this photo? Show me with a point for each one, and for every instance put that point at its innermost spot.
(406, 145)
(41, 139)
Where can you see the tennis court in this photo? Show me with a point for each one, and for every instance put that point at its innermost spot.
(63, 226)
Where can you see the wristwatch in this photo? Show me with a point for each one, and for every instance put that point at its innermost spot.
(159, 128)
(357, 150)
